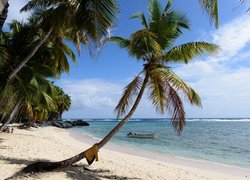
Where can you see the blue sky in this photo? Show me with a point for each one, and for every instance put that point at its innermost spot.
(222, 81)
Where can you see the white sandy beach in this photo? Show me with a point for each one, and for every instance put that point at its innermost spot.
(50, 143)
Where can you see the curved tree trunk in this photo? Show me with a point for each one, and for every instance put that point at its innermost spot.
(13, 113)
(3, 12)
(113, 132)
(30, 55)
(49, 166)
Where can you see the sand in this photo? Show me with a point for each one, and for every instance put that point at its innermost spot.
(115, 162)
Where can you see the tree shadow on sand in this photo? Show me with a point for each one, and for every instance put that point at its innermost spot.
(10, 160)
(77, 172)
(82, 172)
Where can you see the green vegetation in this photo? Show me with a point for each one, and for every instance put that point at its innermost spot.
(44, 54)
(27, 93)
(32, 94)
(153, 45)
(25, 71)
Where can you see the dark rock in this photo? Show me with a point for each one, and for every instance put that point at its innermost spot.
(61, 124)
(69, 124)
(79, 122)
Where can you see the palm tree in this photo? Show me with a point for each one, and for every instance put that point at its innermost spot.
(154, 46)
(39, 104)
(35, 97)
(50, 61)
(53, 52)
(87, 18)
(63, 103)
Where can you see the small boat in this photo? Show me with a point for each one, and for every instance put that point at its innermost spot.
(142, 136)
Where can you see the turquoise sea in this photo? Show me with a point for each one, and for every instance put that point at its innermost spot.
(225, 141)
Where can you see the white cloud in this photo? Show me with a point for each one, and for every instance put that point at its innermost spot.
(91, 93)
(223, 81)
(14, 11)
(233, 36)
(91, 97)
(97, 98)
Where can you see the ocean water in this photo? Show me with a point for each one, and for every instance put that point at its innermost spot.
(225, 141)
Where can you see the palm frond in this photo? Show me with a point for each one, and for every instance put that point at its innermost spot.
(4, 56)
(182, 21)
(48, 101)
(155, 10)
(157, 91)
(167, 8)
(140, 44)
(211, 8)
(37, 4)
(169, 26)
(176, 109)
(130, 91)
(142, 17)
(240, 2)
(68, 51)
(77, 38)
(122, 42)
(96, 17)
(176, 82)
(188, 51)
(144, 42)
(194, 97)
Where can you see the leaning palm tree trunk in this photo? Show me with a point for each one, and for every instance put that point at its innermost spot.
(30, 55)
(113, 132)
(13, 113)
(3, 12)
(49, 166)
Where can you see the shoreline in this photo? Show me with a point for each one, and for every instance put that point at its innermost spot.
(54, 144)
(162, 157)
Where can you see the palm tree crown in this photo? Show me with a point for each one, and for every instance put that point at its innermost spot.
(80, 21)
(88, 17)
(154, 46)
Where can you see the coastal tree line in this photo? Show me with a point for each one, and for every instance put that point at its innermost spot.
(34, 52)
